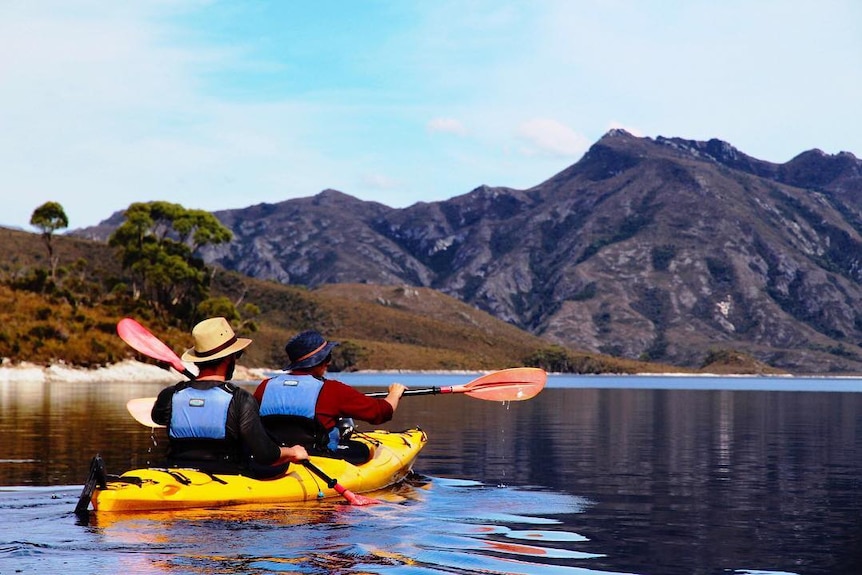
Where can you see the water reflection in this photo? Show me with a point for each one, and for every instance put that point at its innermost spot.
(598, 479)
(419, 527)
(50, 430)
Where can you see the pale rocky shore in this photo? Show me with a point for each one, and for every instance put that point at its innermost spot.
(138, 372)
(131, 371)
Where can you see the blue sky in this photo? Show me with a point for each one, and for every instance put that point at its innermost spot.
(218, 105)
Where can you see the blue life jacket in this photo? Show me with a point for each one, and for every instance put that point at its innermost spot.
(199, 413)
(288, 396)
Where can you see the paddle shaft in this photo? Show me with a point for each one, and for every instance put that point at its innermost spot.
(186, 373)
(333, 483)
(330, 482)
(421, 391)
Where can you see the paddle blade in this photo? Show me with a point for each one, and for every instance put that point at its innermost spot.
(514, 384)
(141, 409)
(141, 340)
(355, 498)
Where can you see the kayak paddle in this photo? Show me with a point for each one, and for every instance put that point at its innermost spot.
(353, 498)
(141, 409)
(140, 339)
(513, 384)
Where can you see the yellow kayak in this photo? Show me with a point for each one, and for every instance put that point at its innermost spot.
(393, 454)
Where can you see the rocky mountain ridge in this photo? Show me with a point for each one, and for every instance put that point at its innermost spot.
(662, 249)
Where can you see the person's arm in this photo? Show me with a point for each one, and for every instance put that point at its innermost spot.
(250, 431)
(257, 440)
(161, 412)
(338, 399)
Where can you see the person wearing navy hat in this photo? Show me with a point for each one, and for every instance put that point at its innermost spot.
(304, 407)
(212, 424)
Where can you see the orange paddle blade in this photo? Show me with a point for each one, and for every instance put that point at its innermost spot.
(514, 384)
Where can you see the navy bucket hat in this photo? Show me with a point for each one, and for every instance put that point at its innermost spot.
(307, 349)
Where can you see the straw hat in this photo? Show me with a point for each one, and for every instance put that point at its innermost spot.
(214, 339)
(307, 349)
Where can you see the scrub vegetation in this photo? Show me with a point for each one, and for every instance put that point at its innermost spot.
(71, 317)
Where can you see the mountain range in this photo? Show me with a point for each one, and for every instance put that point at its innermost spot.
(661, 249)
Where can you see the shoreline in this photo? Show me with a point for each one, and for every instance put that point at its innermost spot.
(127, 370)
(139, 372)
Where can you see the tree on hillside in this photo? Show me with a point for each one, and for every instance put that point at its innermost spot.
(157, 243)
(50, 217)
(552, 358)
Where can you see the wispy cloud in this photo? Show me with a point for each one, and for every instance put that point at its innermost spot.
(217, 105)
(447, 126)
(548, 136)
(380, 182)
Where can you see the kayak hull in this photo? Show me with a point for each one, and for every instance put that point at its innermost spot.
(393, 454)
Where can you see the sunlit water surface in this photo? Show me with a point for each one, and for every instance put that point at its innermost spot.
(595, 475)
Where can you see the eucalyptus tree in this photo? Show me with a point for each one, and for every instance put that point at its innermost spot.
(158, 243)
(50, 217)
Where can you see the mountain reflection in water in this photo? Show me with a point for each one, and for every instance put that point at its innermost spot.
(630, 475)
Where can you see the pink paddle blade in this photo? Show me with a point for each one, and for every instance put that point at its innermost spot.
(141, 340)
(355, 498)
(515, 384)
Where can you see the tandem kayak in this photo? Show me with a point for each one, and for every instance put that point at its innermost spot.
(393, 454)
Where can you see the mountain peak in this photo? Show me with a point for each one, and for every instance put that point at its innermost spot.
(330, 195)
(662, 248)
(817, 169)
(617, 133)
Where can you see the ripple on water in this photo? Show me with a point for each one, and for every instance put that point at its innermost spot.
(464, 527)
(440, 526)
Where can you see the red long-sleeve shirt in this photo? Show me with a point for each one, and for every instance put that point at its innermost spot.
(338, 399)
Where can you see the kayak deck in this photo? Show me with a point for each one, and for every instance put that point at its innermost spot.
(393, 454)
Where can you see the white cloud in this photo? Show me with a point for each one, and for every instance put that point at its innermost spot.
(380, 182)
(101, 108)
(614, 125)
(551, 137)
(103, 104)
(447, 126)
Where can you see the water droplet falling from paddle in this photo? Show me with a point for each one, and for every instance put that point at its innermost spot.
(154, 442)
(507, 406)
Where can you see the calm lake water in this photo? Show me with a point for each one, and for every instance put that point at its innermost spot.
(595, 475)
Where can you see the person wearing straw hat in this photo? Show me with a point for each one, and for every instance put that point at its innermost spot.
(212, 424)
(304, 407)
